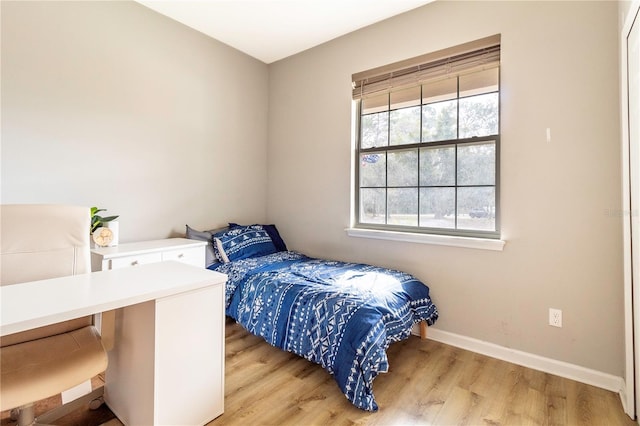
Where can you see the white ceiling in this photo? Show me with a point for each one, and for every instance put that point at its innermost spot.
(270, 30)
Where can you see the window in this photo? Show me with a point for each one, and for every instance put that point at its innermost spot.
(428, 143)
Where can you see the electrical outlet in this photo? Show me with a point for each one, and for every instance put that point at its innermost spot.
(555, 317)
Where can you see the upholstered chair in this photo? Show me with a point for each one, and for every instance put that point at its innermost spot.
(41, 242)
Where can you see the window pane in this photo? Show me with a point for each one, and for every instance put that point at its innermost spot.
(479, 82)
(375, 130)
(405, 98)
(378, 103)
(439, 121)
(477, 209)
(372, 205)
(442, 90)
(479, 115)
(437, 207)
(403, 206)
(403, 168)
(477, 164)
(373, 168)
(404, 126)
(437, 166)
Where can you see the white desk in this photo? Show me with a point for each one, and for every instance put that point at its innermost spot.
(167, 364)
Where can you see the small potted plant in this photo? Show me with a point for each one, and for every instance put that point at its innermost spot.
(98, 221)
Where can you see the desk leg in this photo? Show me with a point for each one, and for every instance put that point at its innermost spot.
(167, 363)
(129, 379)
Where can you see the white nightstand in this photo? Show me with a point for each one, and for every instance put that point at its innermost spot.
(183, 250)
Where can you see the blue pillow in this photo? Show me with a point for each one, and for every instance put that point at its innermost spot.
(278, 242)
(242, 242)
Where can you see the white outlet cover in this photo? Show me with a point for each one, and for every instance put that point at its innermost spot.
(555, 317)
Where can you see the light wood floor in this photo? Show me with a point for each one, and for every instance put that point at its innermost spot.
(429, 383)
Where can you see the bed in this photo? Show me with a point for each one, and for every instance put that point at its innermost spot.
(340, 315)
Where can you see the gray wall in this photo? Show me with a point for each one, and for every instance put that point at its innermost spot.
(560, 200)
(114, 105)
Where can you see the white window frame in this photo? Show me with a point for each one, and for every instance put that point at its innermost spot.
(478, 239)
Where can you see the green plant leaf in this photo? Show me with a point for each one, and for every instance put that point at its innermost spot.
(97, 220)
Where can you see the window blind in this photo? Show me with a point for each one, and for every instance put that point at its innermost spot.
(465, 58)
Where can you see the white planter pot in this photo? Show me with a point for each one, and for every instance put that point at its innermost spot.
(114, 225)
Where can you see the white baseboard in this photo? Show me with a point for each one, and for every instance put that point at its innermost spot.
(536, 362)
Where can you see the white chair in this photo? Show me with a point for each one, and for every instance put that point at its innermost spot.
(40, 242)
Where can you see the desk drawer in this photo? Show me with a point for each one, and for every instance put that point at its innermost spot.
(192, 255)
(140, 259)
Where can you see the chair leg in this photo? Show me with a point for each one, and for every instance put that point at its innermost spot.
(93, 398)
(96, 403)
(25, 415)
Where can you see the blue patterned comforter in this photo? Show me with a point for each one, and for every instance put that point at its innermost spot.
(342, 316)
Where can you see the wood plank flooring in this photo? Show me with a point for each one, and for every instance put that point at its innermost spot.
(429, 383)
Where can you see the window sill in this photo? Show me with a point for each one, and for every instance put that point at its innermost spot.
(443, 240)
